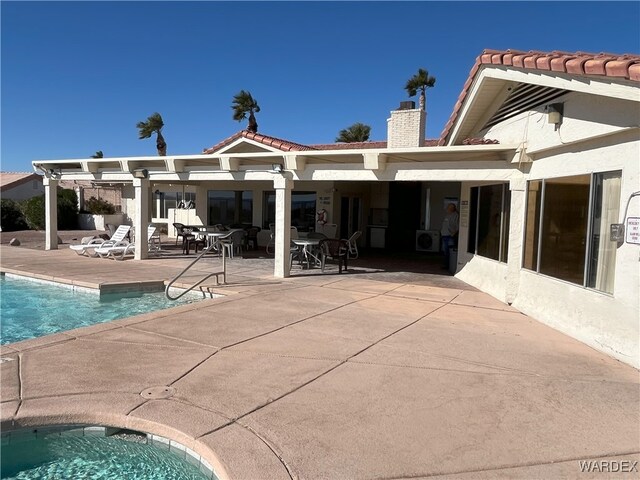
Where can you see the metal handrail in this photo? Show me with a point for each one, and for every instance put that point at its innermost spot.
(206, 277)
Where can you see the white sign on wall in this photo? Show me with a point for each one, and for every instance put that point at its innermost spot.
(633, 230)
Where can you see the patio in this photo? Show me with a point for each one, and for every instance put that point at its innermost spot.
(382, 372)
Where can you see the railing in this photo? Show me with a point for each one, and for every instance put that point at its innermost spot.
(206, 250)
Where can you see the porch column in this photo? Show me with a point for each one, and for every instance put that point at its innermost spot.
(283, 187)
(141, 218)
(51, 213)
(518, 187)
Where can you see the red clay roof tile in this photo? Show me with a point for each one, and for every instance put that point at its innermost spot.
(579, 63)
(278, 143)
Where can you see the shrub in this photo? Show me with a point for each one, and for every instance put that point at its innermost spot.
(12, 218)
(98, 206)
(33, 210)
(67, 209)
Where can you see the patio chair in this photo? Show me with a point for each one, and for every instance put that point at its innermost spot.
(252, 237)
(88, 249)
(189, 238)
(233, 242)
(353, 245)
(120, 249)
(272, 241)
(330, 230)
(334, 249)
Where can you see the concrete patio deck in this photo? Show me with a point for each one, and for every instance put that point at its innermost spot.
(365, 375)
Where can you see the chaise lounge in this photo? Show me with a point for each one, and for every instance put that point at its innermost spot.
(89, 248)
(120, 249)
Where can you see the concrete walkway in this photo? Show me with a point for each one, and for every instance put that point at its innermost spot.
(329, 377)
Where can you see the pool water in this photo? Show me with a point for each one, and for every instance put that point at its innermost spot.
(30, 309)
(95, 458)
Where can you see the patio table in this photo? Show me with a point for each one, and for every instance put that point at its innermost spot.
(309, 250)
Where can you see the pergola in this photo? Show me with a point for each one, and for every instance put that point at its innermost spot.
(247, 160)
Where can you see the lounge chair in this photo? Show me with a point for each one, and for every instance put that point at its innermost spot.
(88, 249)
(120, 249)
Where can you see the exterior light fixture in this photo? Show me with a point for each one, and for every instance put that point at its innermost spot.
(141, 173)
(554, 113)
(276, 167)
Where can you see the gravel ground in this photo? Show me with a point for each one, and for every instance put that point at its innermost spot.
(35, 238)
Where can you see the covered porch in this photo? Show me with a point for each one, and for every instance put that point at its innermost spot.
(249, 183)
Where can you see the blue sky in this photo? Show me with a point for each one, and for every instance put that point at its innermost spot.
(78, 76)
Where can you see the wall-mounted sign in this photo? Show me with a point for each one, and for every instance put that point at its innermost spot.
(464, 213)
(633, 230)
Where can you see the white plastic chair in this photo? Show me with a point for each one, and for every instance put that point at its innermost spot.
(118, 250)
(353, 245)
(88, 249)
(330, 230)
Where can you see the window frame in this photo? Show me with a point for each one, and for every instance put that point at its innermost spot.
(503, 257)
(588, 234)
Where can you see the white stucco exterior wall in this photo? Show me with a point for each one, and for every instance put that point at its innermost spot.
(597, 135)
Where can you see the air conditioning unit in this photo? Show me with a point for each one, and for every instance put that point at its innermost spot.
(427, 241)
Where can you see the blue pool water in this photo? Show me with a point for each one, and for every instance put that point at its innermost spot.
(95, 458)
(31, 309)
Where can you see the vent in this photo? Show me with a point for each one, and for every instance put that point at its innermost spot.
(408, 105)
(524, 97)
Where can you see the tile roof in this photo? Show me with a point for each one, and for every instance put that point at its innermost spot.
(12, 179)
(288, 146)
(626, 67)
(280, 144)
(363, 145)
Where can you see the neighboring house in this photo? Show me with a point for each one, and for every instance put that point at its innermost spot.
(20, 186)
(110, 192)
(540, 154)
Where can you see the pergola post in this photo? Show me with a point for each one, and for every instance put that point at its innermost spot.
(141, 219)
(518, 187)
(51, 213)
(283, 187)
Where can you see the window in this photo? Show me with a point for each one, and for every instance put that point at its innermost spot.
(567, 228)
(172, 200)
(489, 221)
(230, 207)
(303, 210)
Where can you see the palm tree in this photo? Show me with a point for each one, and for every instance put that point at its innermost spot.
(358, 132)
(98, 154)
(420, 81)
(244, 103)
(153, 125)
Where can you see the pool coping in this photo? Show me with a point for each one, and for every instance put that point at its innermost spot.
(102, 287)
(24, 434)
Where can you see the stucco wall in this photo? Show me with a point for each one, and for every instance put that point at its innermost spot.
(609, 323)
(29, 189)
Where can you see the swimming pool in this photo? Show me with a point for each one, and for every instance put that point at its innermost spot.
(72, 454)
(32, 309)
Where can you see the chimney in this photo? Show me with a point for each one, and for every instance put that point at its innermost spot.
(406, 127)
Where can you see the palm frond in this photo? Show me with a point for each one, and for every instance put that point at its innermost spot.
(244, 105)
(420, 81)
(358, 132)
(153, 124)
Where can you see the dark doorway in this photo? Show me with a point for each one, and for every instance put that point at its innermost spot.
(404, 215)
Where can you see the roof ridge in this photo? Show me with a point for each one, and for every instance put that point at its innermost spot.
(268, 140)
(620, 66)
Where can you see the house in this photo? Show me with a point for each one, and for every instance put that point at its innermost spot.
(20, 186)
(540, 154)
